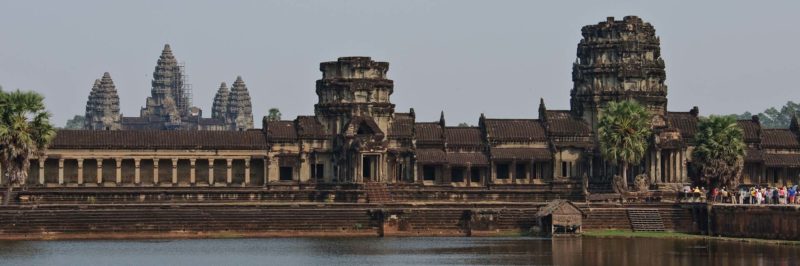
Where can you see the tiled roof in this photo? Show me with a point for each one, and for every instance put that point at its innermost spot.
(428, 132)
(463, 136)
(750, 129)
(281, 131)
(309, 127)
(779, 138)
(467, 158)
(431, 156)
(521, 154)
(515, 130)
(159, 139)
(402, 126)
(781, 160)
(753, 155)
(685, 122)
(562, 123)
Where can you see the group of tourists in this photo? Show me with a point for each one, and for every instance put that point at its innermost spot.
(745, 195)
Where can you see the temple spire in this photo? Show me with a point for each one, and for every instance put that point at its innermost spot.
(239, 109)
(102, 108)
(219, 109)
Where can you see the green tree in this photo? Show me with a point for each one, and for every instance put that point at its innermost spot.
(75, 123)
(463, 124)
(719, 151)
(774, 118)
(274, 114)
(25, 131)
(622, 130)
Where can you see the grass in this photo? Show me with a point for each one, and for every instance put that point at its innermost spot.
(677, 235)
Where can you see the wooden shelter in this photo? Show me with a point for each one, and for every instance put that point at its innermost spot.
(560, 217)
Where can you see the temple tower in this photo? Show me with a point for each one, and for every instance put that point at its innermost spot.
(102, 108)
(167, 99)
(354, 87)
(239, 108)
(219, 109)
(618, 60)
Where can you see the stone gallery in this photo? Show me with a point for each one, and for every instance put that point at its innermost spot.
(356, 135)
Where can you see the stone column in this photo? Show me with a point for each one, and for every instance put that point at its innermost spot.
(492, 173)
(210, 171)
(174, 171)
(469, 174)
(155, 171)
(136, 171)
(192, 171)
(674, 171)
(684, 177)
(512, 171)
(41, 169)
(658, 166)
(267, 162)
(80, 171)
(247, 171)
(60, 171)
(229, 173)
(119, 171)
(99, 171)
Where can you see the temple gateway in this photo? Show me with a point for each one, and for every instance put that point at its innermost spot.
(356, 135)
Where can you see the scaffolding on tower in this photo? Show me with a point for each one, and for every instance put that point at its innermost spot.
(184, 103)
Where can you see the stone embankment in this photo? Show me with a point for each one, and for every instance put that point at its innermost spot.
(756, 221)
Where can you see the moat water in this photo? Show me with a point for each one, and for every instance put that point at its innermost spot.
(397, 251)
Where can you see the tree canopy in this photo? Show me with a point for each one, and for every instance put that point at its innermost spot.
(274, 114)
(25, 131)
(622, 130)
(75, 123)
(774, 118)
(719, 151)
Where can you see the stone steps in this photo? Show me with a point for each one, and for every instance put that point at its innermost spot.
(646, 220)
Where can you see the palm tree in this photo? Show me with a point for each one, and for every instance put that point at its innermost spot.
(622, 130)
(719, 151)
(25, 131)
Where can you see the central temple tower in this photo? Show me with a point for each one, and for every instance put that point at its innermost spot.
(618, 60)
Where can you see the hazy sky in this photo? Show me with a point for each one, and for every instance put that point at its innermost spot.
(463, 57)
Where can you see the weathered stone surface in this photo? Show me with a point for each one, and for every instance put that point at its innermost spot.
(102, 108)
(239, 108)
(219, 109)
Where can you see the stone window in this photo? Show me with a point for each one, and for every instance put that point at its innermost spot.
(475, 175)
(428, 173)
(520, 171)
(502, 171)
(457, 175)
(286, 173)
(318, 171)
(566, 169)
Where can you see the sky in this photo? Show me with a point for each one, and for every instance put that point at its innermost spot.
(463, 57)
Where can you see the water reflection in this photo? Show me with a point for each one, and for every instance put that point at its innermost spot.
(398, 251)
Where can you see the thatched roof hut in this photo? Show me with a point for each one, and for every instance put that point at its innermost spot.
(560, 216)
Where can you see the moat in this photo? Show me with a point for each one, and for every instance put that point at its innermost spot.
(398, 251)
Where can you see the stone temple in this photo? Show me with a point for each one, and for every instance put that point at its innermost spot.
(357, 135)
(170, 104)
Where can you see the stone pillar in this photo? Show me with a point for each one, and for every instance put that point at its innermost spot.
(492, 173)
(119, 171)
(174, 171)
(80, 171)
(99, 170)
(684, 175)
(41, 169)
(210, 171)
(155, 171)
(60, 171)
(469, 174)
(192, 171)
(267, 162)
(229, 173)
(674, 171)
(136, 171)
(658, 166)
(512, 171)
(247, 171)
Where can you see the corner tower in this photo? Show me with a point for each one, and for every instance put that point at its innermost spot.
(354, 87)
(102, 108)
(618, 60)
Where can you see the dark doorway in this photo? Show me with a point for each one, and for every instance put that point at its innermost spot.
(369, 167)
(286, 173)
(428, 173)
(475, 175)
(457, 174)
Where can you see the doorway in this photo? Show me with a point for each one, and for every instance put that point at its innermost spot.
(369, 167)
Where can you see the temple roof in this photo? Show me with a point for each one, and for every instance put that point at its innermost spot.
(159, 139)
(428, 132)
(563, 123)
(782, 160)
(402, 125)
(281, 131)
(522, 154)
(309, 127)
(514, 130)
(750, 129)
(779, 138)
(685, 122)
(431, 156)
(463, 136)
(467, 158)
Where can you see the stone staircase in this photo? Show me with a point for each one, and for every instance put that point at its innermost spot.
(646, 220)
(377, 192)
